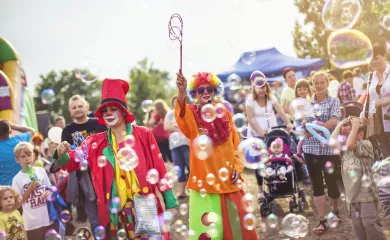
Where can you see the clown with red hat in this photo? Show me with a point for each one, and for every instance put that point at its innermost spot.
(130, 151)
(216, 208)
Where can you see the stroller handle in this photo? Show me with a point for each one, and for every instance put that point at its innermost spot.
(282, 126)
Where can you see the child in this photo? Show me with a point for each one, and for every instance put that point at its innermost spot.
(360, 189)
(304, 112)
(346, 92)
(278, 155)
(11, 222)
(34, 181)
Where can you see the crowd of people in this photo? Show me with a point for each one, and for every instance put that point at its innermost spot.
(110, 169)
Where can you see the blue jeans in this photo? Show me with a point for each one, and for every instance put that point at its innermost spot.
(181, 158)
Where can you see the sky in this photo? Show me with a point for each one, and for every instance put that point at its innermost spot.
(110, 37)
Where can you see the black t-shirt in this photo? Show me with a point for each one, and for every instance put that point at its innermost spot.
(86, 129)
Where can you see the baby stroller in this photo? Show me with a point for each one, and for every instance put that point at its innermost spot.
(274, 187)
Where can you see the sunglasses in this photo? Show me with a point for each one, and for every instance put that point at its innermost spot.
(201, 90)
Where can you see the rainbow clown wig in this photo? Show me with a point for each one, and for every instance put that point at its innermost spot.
(204, 78)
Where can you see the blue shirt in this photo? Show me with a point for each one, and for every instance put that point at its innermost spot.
(8, 166)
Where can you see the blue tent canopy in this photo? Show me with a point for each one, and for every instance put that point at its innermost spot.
(271, 62)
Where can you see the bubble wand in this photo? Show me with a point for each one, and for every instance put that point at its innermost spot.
(176, 33)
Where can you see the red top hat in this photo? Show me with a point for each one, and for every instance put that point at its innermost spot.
(114, 94)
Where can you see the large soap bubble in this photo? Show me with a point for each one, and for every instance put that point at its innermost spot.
(295, 226)
(341, 14)
(349, 48)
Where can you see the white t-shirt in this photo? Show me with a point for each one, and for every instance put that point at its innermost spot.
(35, 213)
(266, 118)
(176, 139)
(333, 88)
(308, 110)
(358, 85)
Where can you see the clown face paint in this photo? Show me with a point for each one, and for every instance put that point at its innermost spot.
(204, 96)
(112, 115)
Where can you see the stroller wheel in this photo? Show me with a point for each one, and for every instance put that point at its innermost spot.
(291, 205)
(302, 195)
(263, 210)
(301, 205)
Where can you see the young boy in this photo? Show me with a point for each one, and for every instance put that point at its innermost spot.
(360, 189)
(35, 181)
(346, 92)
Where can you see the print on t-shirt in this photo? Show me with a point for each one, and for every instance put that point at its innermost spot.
(15, 228)
(36, 198)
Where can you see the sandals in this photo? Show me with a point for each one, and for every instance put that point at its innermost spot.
(318, 231)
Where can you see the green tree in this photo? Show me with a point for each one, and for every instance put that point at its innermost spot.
(310, 36)
(147, 82)
(65, 85)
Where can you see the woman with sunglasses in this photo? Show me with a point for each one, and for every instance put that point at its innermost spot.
(216, 199)
(261, 109)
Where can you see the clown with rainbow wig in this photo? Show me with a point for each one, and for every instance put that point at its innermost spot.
(216, 207)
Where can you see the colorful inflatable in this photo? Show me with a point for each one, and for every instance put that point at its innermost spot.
(16, 104)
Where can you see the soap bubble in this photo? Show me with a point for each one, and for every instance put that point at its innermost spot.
(52, 235)
(248, 58)
(99, 232)
(331, 218)
(129, 140)
(127, 159)
(295, 226)
(84, 165)
(122, 234)
(257, 75)
(386, 22)
(175, 137)
(349, 48)
(168, 216)
(90, 73)
(220, 110)
(147, 105)
(233, 78)
(209, 218)
(152, 176)
(102, 161)
(208, 112)
(203, 192)
(115, 205)
(210, 178)
(255, 151)
(65, 216)
(341, 14)
(199, 183)
(366, 181)
(239, 120)
(48, 96)
(223, 174)
(272, 220)
(249, 202)
(183, 209)
(329, 167)
(202, 147)
(249, 221)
